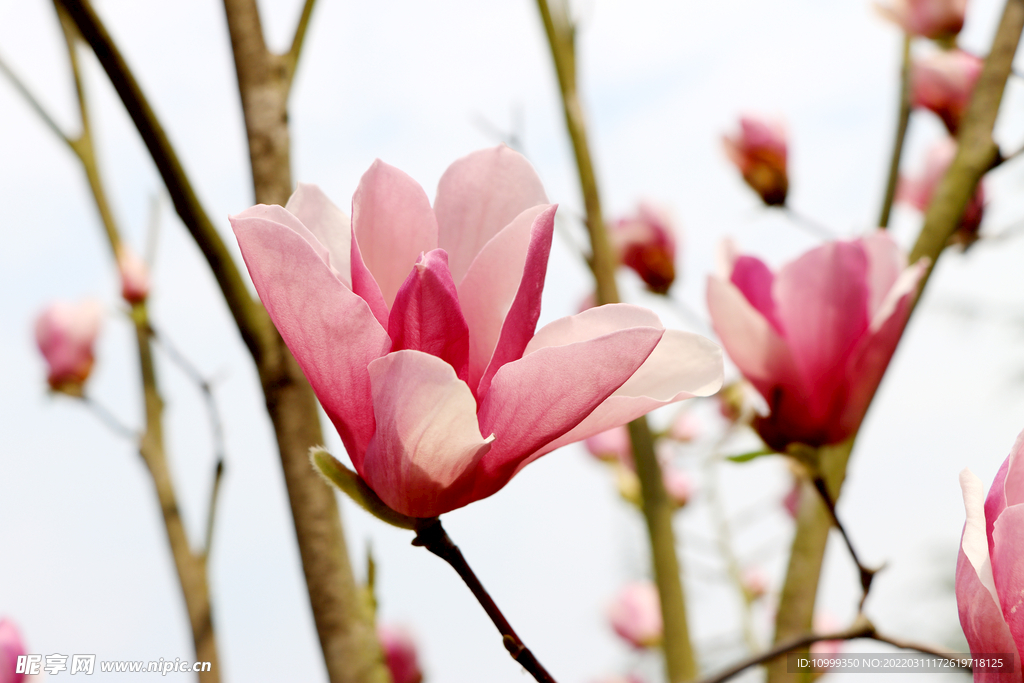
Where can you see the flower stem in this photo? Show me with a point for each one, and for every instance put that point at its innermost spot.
(901, 134)
(434, 538)
(679, 659)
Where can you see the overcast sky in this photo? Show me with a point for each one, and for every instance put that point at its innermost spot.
(86, 567)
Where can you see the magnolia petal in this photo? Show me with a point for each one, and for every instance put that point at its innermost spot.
(982, 622)
(822, 303)
(393, 224)
(886, 261)
(330, 331)
(327, 223)
(489, 288)
(366, 287)
(426, 315)
(424, 455)
(477, 197)
(995, 502)
(540, 397)
(1008, 570)
(521, 322)
(750, 340)
(974, 542)
(682, 366)
(592, 323)
(273, 213)
(754, 279)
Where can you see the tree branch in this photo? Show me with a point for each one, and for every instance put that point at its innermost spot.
(680, 662)
(902, 121)
(299, 40)
(250, 318)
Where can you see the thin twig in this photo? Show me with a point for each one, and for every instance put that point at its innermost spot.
(34, 103)
(866, 575)
(211, 511)
(299, 39)
(680, 663)
(434, 538)
(861, 628)
(249, 317)
(109, 419)
(902, 121)
(808, 225)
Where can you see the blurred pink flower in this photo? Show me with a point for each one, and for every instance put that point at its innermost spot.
(815, 338)
(416, 327)
(759, 152)
(611, 445)
(755, 583)
(943, 82)
(686, 427)
(791, 501)
(678, 484)
(918, 191)
(65, 334)
(635, 614)
(11, 647)
(399, 654)
(134, 275)
(927, 18)
(646, 243)
(826, 623)
(616, 678)
(989, 580)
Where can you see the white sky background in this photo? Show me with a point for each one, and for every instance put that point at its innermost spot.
(85, 565)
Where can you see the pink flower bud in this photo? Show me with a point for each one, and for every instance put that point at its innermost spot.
(610, 445)
(759, 152)
(11, 647)
(65, 334)
(399, 654)
(678, 484)
(646, 243)
(636, 614)
(134, 275)
(918, 191)
(791, 501)
(927, 18)
(943, 82)
(686, 427)
(755, 583)
(825, 623)
(815, 338)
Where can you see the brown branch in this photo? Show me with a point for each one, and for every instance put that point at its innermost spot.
(680, 662)
(250, 318)
(976, 153)
(434, 538)
(190, 566)
(861, 628)
(341, 610)
(902, 122)
(299, 40)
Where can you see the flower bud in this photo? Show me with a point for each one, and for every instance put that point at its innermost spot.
(678, 484)
(759, 152)
(635, 615)
(943, 82)
(755, 583)
(11, 647)
(611, 445)
(646, 243)
(686, 427)
(918, 191)
(134, 275)
(65, 334)
(936, 19)
(399, 654)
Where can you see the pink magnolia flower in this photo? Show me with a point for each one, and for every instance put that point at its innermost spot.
(759, 152)
(927, 18)
(134, 275)
(11, 647)
(399, 654)
(635, 614)
(918, 191)
(646, 243)
(989, 581)
(416, 327)
(814, 339)
(943, 82)
(65, 334)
